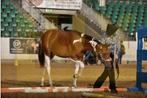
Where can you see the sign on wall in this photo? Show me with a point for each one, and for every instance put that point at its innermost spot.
(59, 4)
(23, 46)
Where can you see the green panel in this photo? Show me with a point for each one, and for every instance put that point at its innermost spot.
(9, 19)
(6, 34)
(119, 23)
(13, 23)
(18, 20)
(135, 8)
(3, 6)
(30, 25)
(88, 2)
(2, 28)
(6, 2)
(131, 29)
(2, 19)
(95, 5)
(27, 30)
(8, 10)
(10, 29)
(4, 15)
(2, 24)
(102, 10)
(6, 24)
(13, 34)
(16, 12)
(109, 8)
(18, 29)
(12, 14)
(23, 34)
(97, 8)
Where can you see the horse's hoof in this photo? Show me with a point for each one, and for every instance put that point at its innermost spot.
(49, 85)
(75, 76)
(42, 84)
(74, 86)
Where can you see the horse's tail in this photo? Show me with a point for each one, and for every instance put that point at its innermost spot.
(41, 55)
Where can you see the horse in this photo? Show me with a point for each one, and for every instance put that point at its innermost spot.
(67, 44)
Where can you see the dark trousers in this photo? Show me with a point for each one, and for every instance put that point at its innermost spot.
(108, 72)
(120, 57)
(112, 57)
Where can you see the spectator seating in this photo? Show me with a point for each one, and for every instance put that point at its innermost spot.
(13, 23)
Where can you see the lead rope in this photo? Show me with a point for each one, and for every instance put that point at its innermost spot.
(114, 62)
(93, 44)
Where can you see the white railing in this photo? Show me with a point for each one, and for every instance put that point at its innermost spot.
(90, 23)
(37, 15)
(88, 29)
(94, 17)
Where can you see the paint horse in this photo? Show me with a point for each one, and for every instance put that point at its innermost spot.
(67, 44)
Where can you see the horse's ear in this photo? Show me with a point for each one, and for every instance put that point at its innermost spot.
(85, 36)
(108, 45)
(82, 34)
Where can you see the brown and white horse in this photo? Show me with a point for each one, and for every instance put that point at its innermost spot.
(67, 44)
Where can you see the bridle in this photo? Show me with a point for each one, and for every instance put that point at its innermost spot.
(99, 54)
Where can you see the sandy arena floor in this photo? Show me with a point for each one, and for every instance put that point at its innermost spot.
(28, 73)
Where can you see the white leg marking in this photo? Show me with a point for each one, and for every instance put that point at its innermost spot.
(77, 67)
(78, 71)
(81, 67)
(43, 75)
(48, 68)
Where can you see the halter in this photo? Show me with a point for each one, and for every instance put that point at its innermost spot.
(93, 44)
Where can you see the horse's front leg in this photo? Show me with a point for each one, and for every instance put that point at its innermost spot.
(48, 68)
(78, 71)
(81, 67)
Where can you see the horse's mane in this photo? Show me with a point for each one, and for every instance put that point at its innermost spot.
(98, 42)
(88, 37)
(65, 29)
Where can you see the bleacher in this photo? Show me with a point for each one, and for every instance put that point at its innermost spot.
(13, 23)
(127, 14)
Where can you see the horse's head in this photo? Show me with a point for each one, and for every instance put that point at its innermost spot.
(92, 44)
(102, 49)
(103, 53)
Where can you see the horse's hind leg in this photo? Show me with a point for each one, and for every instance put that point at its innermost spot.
(78, 71)
(48, 68)
(42, 79)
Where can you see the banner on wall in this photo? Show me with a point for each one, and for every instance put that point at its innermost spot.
(58, 4)
(23, 46)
